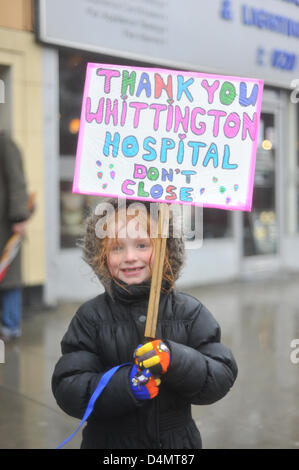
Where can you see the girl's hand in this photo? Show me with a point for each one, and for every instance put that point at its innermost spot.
(143, 385)
(154, 355)
(19, 228)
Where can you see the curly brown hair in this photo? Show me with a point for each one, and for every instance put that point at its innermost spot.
(96, 250)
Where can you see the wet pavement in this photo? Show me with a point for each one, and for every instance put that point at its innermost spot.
(258, 320)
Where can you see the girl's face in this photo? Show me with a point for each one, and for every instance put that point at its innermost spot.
(130, 259)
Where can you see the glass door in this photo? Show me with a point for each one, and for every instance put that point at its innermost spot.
(260, 227)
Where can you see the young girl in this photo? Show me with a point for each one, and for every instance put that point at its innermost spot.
(147, 403)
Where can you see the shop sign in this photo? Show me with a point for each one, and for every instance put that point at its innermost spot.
(231, 37)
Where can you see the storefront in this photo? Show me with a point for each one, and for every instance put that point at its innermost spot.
(21, 118)
(227, 37)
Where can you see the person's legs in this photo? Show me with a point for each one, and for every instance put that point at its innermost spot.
(12, 311)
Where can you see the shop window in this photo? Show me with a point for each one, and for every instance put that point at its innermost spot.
(74, 208)
(292, 202)
(71, 82)
(72, 68)
(260, 225)
(216, 223)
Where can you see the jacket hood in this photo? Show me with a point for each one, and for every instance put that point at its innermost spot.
(91, 244)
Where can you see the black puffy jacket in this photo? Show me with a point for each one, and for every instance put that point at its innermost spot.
(104, 333)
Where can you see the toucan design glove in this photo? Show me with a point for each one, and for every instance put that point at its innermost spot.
(154, 355)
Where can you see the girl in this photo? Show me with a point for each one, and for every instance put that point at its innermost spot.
(147, 403)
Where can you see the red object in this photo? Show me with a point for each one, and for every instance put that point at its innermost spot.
(9, 253)
(153, 387)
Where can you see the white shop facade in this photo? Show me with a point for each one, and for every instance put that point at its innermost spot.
(225, 37)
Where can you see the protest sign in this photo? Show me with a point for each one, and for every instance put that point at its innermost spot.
(168, 136)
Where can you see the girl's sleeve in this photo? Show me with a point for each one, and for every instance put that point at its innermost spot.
(204, 370)
(79, 370)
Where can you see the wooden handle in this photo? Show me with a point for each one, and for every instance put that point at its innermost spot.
(160, 248)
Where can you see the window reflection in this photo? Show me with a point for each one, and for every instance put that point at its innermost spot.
(74, 208)
(217, 223)
(71, 83)
(260, 225)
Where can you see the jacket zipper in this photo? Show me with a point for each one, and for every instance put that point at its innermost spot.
(156, 400)
(157, 422)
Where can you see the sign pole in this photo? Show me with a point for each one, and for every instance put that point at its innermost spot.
(156, 282)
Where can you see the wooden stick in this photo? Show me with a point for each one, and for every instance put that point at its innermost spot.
(156, 282)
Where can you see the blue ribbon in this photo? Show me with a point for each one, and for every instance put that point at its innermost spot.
(105, 379)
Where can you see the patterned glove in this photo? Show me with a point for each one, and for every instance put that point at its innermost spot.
(154, 356)
(143, 385)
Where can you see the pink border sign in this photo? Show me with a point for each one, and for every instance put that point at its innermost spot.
(168, 136)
